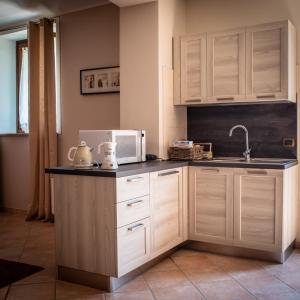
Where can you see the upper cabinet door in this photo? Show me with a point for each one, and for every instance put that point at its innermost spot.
(226, 66)
(270, 62)
(193, 69)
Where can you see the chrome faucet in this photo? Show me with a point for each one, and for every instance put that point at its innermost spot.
(246, 154)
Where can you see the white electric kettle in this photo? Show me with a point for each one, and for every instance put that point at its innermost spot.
(108, 154)
(82, 156)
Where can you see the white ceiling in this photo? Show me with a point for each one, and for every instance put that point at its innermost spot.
(13, 12)
(123, 3)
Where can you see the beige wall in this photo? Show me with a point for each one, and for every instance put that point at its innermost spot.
(14, 171)
(173, 123)
(146, 33)
(211, 15)
(89, 39)
(139, 104)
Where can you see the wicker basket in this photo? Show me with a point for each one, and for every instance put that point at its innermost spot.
(195, 153)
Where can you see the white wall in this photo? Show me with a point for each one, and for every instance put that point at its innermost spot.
(7, 86)
(213, 15)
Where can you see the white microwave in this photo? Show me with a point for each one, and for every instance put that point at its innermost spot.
(131, 144)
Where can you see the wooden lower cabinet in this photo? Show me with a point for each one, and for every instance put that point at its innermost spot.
(250, 208)
(111, 226)
(210, 210)
(166, 210)
(133, 244)
(258, 208)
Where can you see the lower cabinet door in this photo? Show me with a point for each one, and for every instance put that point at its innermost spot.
(133, 244)
(166, 210)
(211, 204)
(258, 208)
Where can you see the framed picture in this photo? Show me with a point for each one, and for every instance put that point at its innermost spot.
(100, 80)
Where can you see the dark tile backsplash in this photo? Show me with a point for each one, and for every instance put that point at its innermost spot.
(268, 125)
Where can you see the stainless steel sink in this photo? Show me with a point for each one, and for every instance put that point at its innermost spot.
(252, 160)
(227, 159)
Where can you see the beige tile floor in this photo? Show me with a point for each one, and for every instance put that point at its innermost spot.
(186, 275)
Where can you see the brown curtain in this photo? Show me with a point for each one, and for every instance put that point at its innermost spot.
(42, 119)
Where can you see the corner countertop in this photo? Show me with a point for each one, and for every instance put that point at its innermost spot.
(153, 166)
(122, 171)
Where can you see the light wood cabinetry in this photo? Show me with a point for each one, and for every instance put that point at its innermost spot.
(133, 244)
(166, 210)
(193, 69)
(253, 64)
(85, 223)
(132, 210)
(258, 208)
(226, 66)
(250, 208)
(210, 214)
(111, 226)
(270, 62)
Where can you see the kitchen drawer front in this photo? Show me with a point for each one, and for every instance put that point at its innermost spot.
(133, 210)
(133, 246)
(131, 187)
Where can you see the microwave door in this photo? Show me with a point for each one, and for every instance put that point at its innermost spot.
(127, 150)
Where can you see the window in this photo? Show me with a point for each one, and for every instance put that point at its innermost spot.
(22, 86)
(14, 102)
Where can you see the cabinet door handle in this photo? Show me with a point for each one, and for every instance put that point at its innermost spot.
(257, 172)
(135, 227)
(131, 204)
(135, 179)
(168, 173)
(193, 100)
(211, 170)
(265, 96)
(225, 99)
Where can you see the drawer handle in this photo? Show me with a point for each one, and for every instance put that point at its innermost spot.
(211, 170)
(257, 172)
(265, 96)
(168, 173)
(131, 204)
(135, 227)
(225, 99)
(193, 100)
(135, 179)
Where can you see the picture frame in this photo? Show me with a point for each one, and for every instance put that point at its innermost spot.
(100, 80)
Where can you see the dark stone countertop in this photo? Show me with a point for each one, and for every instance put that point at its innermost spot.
(123, 170)
(153, 166)
(254, 164)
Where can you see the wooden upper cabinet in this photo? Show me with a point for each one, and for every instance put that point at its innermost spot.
(166, 210)
(193, 69)
(253, 64)
(271, 62)
(210, 204)
(258, 209)
(226, 66)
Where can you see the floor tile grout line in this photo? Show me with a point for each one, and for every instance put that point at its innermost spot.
(285, 283)
(149, 287)
(6, 294)
(25, 242)
(236, 281)
(194, 285)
